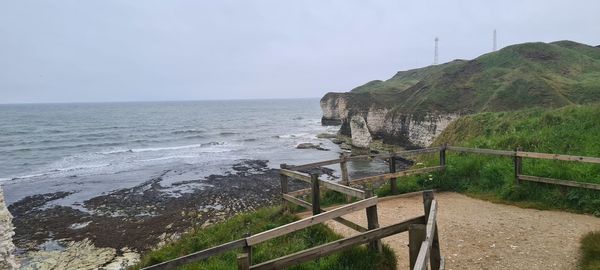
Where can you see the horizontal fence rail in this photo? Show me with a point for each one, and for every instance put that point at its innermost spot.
(558, 157)
(384, 177)
(559, 182)
(309, 221)
(330, 185)
(329, 248)
(197, 256)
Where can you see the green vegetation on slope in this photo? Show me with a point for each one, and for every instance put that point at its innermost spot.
(571, 130)
(262, 220)
(516, 77)
(590, 251)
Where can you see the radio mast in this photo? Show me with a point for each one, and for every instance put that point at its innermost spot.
(494, 40)
(435, 54)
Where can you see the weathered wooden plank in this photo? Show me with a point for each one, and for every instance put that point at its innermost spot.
(431, 221)
(340, 220)
(316, 194)
(330, 185)
(393, 181)
(518, 164)
(350, 224)
(243, 261)
(559, 157)
(403, 195)
(416, 236)
(299, 192)
(315, 164)
(559, 182)
(399, 154)
(384, 177)
(482, 151)
(354, 192)
(297, 201)
(373, 223)
(329, 248)
(296, 175)
(443, 155)
(309, 221)
(200, 255)
(430, 208)
(421, 263)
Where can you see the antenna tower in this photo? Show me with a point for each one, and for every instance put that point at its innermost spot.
(495, 40)
(435, 55)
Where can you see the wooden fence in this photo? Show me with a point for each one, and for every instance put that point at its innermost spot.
(424, 247)
(518, 156)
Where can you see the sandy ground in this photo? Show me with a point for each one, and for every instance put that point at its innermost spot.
(476, 234)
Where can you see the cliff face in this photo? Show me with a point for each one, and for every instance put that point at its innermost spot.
(7, 248)
(364, 124)
(413, 107)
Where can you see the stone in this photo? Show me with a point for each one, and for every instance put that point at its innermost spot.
(361, 137)
(311, 146)
(326, 136)
(7, 248)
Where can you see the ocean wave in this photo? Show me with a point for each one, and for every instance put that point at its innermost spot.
(187, 131)
(60, 170)
(296, 135)
(228, 133)
(153, 149)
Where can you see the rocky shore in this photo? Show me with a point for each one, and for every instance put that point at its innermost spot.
(114, 228)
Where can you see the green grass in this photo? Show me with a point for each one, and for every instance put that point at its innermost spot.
(590, 251)
(261, 220)
(573, 130)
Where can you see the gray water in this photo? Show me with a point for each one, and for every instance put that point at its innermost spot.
(92, 149)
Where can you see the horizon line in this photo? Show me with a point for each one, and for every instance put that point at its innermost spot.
(150, 101)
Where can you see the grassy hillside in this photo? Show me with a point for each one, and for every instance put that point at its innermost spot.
(516, 77)
(262, 220)
(573, 129)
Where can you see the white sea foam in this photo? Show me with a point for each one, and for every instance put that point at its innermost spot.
(154, 149)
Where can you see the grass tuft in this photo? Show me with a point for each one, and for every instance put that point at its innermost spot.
(590, 251)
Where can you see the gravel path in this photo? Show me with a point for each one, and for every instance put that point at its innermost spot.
(477, 234)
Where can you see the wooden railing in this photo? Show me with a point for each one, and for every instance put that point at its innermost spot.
(518, 156)
(424, 247)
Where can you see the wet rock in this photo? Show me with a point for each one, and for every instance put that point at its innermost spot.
(76, 255)
(311, 146)
(326, 136)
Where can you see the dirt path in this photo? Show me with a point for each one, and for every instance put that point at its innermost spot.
(476, 234)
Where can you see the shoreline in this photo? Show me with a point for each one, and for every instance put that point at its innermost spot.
(140, 218)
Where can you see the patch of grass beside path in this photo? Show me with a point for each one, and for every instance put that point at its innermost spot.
(590, 251)
(261, 220)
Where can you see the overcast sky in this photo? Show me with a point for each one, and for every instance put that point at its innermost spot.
(71, 51)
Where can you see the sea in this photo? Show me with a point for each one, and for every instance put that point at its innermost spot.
(94, 148)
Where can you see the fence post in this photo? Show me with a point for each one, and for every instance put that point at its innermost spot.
(518, 165)
(345, 176)
(416, 236)
(247, 249)
(393, 181)
(284, 187)
(316, 194)
(243, 261)
(373, 223)
(443, 155)
(435, 255)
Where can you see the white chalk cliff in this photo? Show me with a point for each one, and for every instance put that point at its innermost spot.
(7, 248)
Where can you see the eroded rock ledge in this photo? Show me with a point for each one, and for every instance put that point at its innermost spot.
(365, 120)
